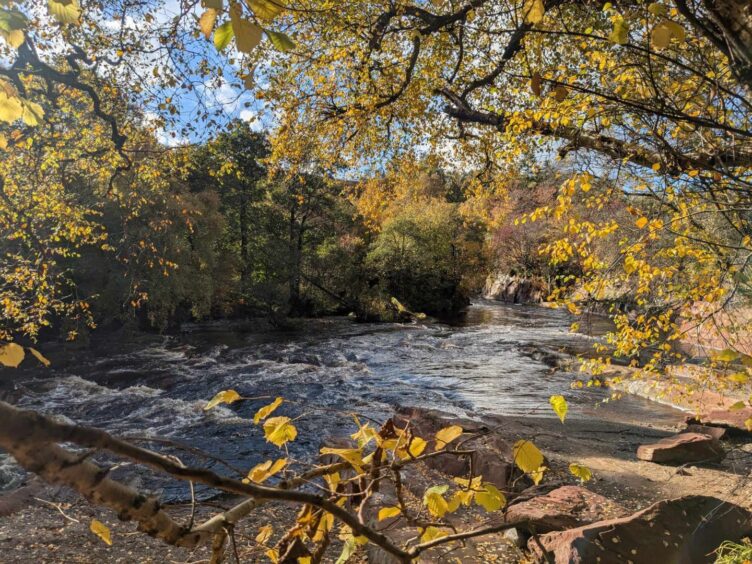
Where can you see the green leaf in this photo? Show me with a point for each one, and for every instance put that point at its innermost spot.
(559, 405)
(280, 40)
(223, 35)
(737, 406)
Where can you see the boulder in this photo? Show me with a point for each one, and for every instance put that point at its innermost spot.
(514, 289)
(732, 419)
(492, 457)
(682, 449)
(718, 433)
(563, 508)
(685, 530)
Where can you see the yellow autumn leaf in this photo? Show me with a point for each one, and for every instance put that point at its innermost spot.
(463, 497)
(264, 534)
(11, 355)
(10, 108)
(36, 354)
(641, 222)
(265, 470)
(3, 142)
(32, 113)
(726, 355)
(65, 11)
(581, 472)
(657, 9)
(206, 22)
(527, 457)
(267, 410)
(247, 34)
(533, 11)
(434, 500)
(677, 31)
(559, 405)
(352, 455)
(225, 396)
(620, 33)
(447, 435)
(748, 424)
(537, 475)
(387, 512)
(417, 446)
(432, 533)
(280, 430)
(490, 498)
(265, 9)
(15, 37)
(325, 524)
(660, 38)
(101, 530)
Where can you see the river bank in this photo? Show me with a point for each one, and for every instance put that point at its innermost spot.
(605, 442)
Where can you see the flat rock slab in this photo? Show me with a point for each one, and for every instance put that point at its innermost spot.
(563, 508)
(719, 433)
(683, 448)
(685, 530)
(734, 420)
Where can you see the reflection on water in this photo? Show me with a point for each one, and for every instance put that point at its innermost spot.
(497, 359)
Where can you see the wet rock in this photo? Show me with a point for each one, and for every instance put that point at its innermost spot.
(682, 449)
(563, 508)
(717, 433)
(685, 530)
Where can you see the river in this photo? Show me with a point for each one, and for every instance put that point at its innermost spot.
(497, 359)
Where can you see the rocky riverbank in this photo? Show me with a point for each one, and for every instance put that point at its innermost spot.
(48, 525)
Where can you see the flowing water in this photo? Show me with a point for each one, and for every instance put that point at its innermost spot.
(498, 359)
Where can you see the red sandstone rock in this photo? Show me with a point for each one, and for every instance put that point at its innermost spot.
(563, 508)
(683, 448)
(685, 530)
(718, 433)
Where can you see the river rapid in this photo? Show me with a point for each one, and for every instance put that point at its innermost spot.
(497, 359)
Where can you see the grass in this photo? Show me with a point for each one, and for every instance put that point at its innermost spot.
(734, 552)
